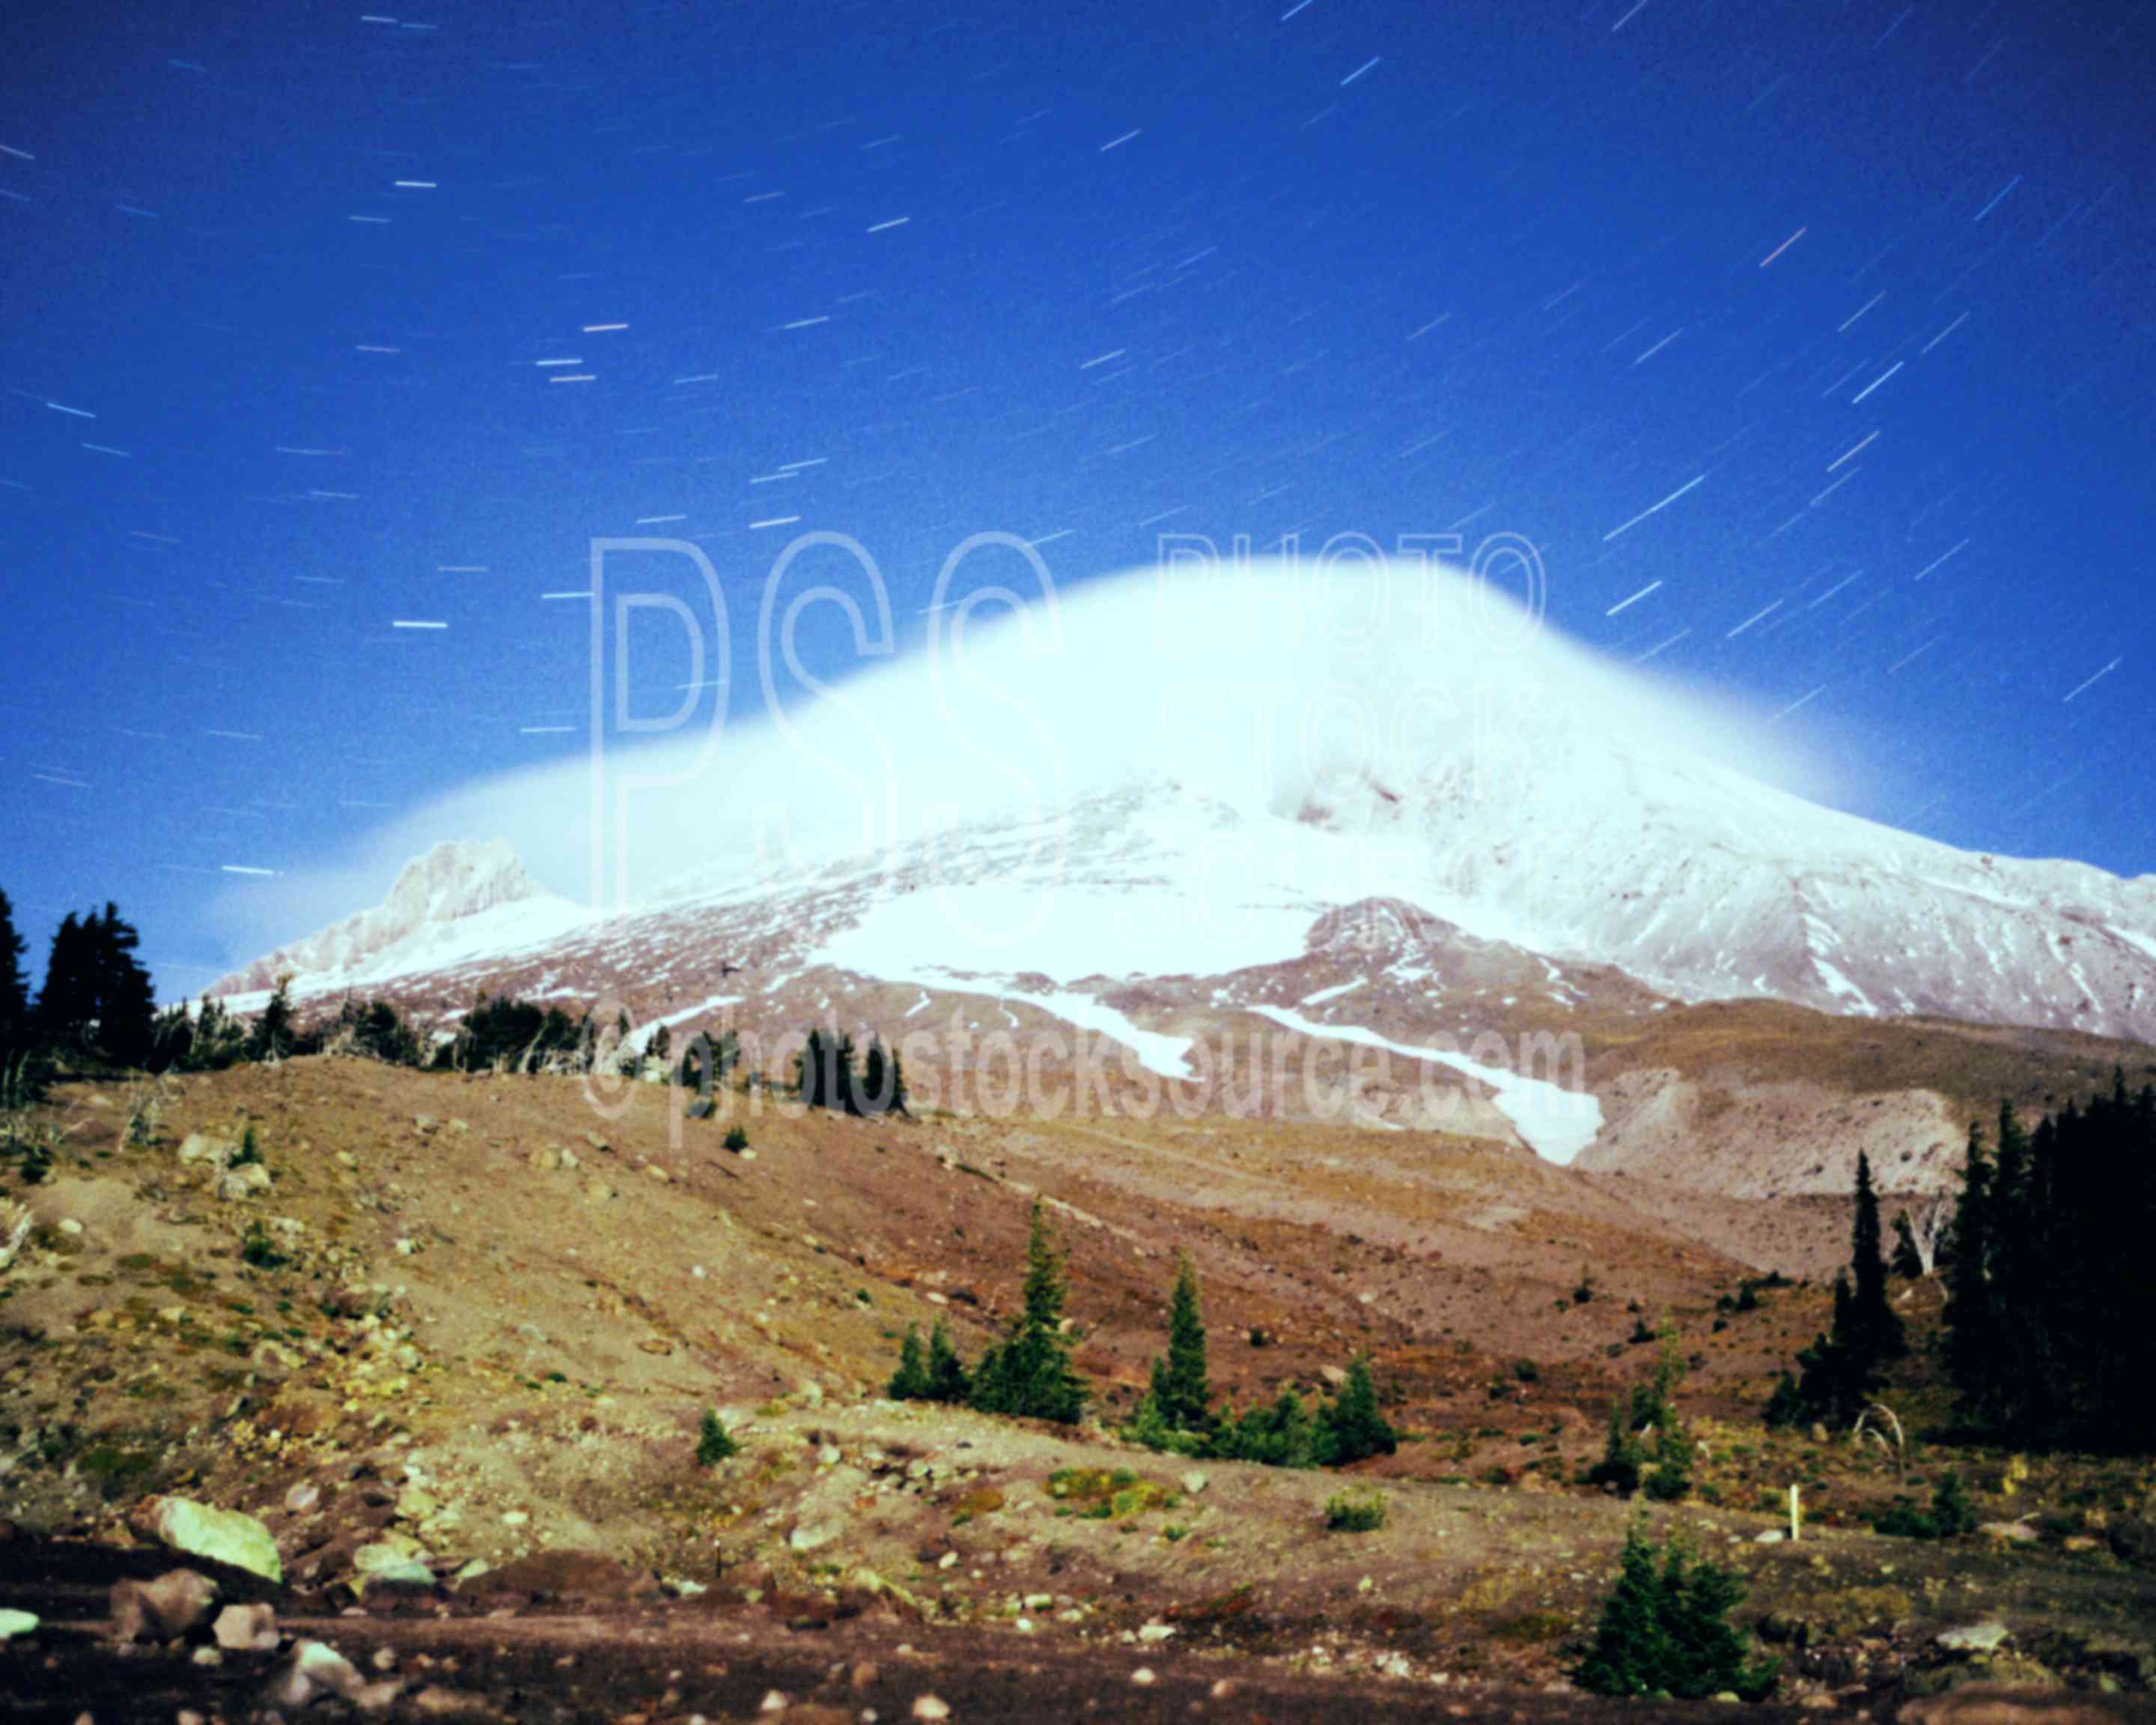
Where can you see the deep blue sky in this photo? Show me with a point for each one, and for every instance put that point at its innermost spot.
(1510, 274)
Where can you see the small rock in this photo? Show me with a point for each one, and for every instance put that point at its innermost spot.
(2009, 1533)
(1143, 1676)
(1772, 1536)
(246, 1628)
(809, 1537)
(174, 1604)
(14, 1624)
(1987, 1637)
(303, 1499)
(930, 1707)
(1193, 1482)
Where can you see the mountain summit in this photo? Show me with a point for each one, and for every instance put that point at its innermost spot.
(457, 899)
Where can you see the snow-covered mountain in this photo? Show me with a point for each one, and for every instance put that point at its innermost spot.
(458, 901)
(1196, 870)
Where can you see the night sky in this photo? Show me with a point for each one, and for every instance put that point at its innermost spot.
(1862, 295)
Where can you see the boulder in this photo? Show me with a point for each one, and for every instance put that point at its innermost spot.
(219, 1536)
(201, 1146)
(175, 1605)
(15, 1624)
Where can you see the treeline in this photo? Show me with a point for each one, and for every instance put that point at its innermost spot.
(2051, 1276)
(1028, 1374)
(2048, 1274)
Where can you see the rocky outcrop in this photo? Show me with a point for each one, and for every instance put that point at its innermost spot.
(451, 882)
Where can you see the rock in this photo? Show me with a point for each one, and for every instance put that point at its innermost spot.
(809, 1536)
(246, 1628)
(390, 1563)
(1772, 1536)
(200, 1147)
(2009, 1533)
(15, 1624)
(1156, 1632)
(1986, 1637)
(930, 1707)
(1193, 1482)
(235, 1184)
(1143, 1676)
(219, 1536)
(303, 1499)
(174, 1604)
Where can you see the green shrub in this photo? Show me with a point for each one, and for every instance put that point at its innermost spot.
(249, 1153)
(1355, 1511)
(714, 1442)
(736, 1140)
(1951, 1514)
(1665, 1631)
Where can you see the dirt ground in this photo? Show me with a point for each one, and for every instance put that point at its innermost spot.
(470, 1322)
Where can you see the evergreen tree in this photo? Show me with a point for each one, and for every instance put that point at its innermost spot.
(824, 1072)
(714, 1442)
(274, 1032)
(880, 1086)
(1622, 1454)
(1027, 1374)
(1874, 1327)
(14, 985)
(67, 1003)
(1351, 1427)
(1972, 1332)
(910, 1382)
(1280, 1434)
(97, 999)
(948, 1380)
(1666, 1630)
(1180, 1385)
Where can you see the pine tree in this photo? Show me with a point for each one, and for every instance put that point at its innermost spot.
(948, 1380)
(910, 1382)
(1180, 1383)
(67, 1002)
(714, 1442)
(1972, 1337)
(1876, 1327)
(272, 1035)
(1622, 1454)
(1352, 1427)
(14, 985)
(875, 1085)
(1028, 1374)
(1666, 1630)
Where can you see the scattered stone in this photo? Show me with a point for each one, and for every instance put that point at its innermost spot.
(174, 1604)
(219, 1536)
(246, 1628)
(236, 1185)
(1986, 1637)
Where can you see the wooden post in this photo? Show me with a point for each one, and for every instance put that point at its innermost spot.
(1796, 1515)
